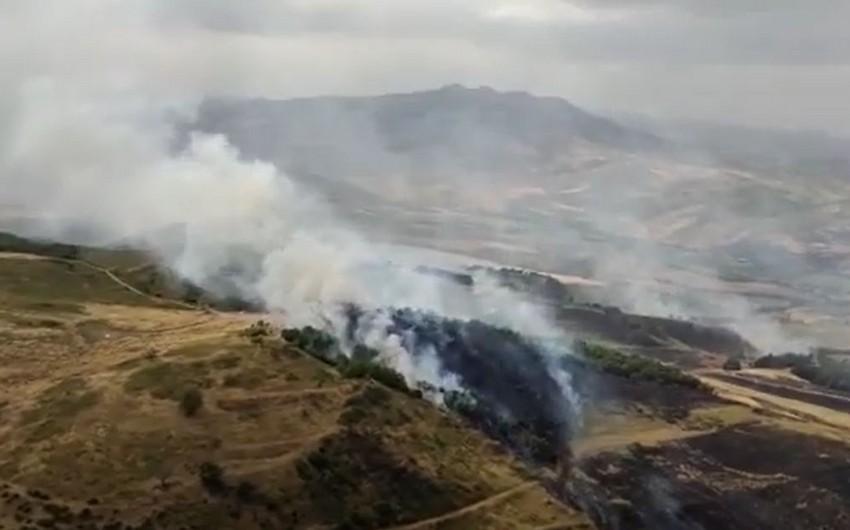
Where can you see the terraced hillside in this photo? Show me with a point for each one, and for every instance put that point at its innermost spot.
(123, 410)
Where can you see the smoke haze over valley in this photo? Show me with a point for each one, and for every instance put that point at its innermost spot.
(668, 212)
(564, 224)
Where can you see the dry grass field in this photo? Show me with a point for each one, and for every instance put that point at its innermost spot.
(123, 411)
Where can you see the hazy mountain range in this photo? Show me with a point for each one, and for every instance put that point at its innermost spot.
(537, 181)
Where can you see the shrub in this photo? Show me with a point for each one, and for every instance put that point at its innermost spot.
(461, 402)
(258, 331)
(191, 402)
(212, 478)
(364, 353)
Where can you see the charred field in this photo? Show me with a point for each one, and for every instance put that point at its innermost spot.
(747, 476)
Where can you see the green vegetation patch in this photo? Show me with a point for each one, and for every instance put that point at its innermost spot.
(618, 363)
(168, 380)
(363, 364)
(314, 342)
(361, 369)
(58, 407)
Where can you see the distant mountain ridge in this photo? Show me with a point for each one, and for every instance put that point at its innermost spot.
(478, 130)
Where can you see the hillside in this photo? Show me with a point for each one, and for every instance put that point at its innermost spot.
(429, 134)
(653, 213)
(97, 434)
(123, 409)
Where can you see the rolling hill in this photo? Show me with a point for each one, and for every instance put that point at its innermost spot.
(98, 431)
(126, 404)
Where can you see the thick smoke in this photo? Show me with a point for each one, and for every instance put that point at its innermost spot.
(99, 156)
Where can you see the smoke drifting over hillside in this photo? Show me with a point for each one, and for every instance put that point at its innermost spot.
(90, 141)
(99, 155)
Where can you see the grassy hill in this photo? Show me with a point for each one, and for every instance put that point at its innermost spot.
(127, 405)
(121, 410)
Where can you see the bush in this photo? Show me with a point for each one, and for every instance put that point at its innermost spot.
(364, 353)
(212, 478)
(462, 403)
(191, 402)
(258, 331)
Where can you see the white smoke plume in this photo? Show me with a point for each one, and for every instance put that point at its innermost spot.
(92, 145)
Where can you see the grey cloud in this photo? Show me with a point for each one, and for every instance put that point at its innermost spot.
(694, 32)
(765, 63)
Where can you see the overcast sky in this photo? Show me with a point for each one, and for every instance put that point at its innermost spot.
(782, 63)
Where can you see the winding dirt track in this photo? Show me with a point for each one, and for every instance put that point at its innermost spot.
(108, 273)
(489, 501)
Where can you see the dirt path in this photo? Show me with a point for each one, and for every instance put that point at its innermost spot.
(484, 503)
(247, 465)
(108, 273)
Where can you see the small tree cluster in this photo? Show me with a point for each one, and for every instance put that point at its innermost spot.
(314, 342)
(363, 363)
(634, 366)
(378, 372)
(258, 331)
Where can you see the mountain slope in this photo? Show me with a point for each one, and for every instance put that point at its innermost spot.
(100, 430)
(433, 133)
(123, 410)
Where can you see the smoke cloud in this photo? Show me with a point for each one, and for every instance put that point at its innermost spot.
(97, 147)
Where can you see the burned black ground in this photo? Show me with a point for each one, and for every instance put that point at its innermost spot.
(745, 477)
